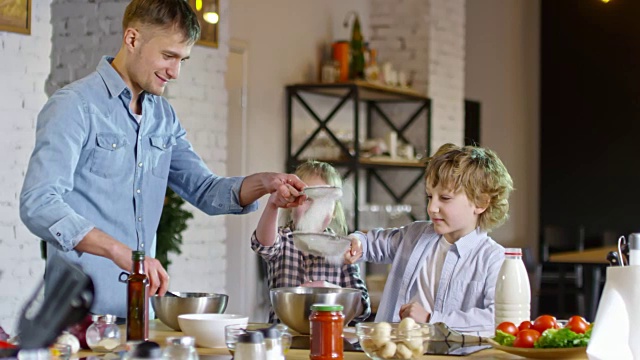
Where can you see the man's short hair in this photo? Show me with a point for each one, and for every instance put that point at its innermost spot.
(164, 14)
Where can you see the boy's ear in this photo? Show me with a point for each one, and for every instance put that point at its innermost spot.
(482, 204)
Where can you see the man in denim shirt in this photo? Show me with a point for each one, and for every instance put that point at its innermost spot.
(108, 145)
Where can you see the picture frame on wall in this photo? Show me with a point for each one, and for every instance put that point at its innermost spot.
(208, 12)
(15, 16)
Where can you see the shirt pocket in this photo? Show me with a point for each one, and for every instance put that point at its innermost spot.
(109, 155)
(161, 154)
(464, 295)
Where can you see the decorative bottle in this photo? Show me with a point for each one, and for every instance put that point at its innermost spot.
(137, 300)
(513, 293)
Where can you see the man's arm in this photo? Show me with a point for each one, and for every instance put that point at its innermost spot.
(99, 243)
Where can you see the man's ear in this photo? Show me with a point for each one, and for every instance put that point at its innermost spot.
(131, 38)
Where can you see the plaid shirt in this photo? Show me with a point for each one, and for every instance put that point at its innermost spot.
(289, 267)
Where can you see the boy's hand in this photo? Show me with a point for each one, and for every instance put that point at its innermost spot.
(355, 251)
(415, 311)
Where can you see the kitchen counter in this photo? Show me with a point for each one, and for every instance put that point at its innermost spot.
(158, 332)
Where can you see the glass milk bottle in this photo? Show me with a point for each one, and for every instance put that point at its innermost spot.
(513, 294)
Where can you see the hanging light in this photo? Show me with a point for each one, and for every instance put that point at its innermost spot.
(210, 14)
(198, 5)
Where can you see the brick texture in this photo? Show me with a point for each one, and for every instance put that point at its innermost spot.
(68, 39)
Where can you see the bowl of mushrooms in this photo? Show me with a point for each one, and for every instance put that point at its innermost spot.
(404, 340)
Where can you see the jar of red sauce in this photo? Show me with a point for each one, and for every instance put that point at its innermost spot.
(326, 323)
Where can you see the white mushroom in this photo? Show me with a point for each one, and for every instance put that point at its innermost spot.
(403, 352)
(407, 324)
(381, 333)
(388, 350)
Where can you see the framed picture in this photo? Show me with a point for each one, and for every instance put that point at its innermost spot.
(15, 16)
(208, 12)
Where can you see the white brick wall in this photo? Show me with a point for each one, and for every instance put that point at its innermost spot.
(200, 100)
(24, 67)
(426, 38)
(68, 39)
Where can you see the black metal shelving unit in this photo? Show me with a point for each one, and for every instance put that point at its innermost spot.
(352, 163)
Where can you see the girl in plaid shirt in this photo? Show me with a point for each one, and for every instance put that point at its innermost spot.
(286, 265)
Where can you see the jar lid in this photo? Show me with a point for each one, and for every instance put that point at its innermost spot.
(327, 307)
(181, 340)
(147, 350)
(108, 318)
(251, 337)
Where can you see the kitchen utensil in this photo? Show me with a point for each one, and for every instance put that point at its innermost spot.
(292, 305)
(320, 244)
(168, 308)
(66, 305)
(613, 258)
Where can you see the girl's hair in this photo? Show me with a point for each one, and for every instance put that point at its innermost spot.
(332, 177)
(163, 14)
(477, 171)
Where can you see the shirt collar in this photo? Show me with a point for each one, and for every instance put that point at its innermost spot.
(114, 81)
(470, 241)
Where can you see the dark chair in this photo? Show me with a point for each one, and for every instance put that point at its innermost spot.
(557, 281)
(532, 267)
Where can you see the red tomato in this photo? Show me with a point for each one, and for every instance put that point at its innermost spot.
(544, 322)
(508, 327)
(526, 338)
(524, 325)
(577, 324)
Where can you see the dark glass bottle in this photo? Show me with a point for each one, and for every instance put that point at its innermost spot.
(137, 300)
(356, 69)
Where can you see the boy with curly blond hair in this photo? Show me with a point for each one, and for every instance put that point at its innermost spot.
(445, 269)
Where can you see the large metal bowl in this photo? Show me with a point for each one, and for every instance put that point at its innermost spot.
(292, 305)
(167, 308)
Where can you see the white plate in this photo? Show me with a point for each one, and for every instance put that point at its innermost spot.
(561, 353)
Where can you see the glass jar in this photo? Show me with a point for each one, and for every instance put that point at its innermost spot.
(180, 348)
(326, 325)
(103, 335)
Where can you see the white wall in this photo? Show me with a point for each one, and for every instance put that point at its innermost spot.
(24, 67)
(502, 72)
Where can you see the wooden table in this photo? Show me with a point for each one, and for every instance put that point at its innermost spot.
(594, 260)
(158, 332)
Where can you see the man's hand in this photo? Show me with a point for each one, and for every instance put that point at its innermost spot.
(415, 311)
(287, 187)
(158, 277)
(354, 253)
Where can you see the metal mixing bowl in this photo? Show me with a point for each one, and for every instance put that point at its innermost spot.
(167, 308)
(292, 305)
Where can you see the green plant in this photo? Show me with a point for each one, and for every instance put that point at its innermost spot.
(173, 222)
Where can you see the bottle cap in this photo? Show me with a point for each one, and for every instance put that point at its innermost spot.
(634, 241)
(251, 337)
(327, 307)
(147, 350)
(513, 251)
(137, 255)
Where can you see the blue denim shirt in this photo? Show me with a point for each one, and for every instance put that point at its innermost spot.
(95, 166)
(465, 300)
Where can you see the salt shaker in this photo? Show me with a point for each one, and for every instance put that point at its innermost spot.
(180, 348)
(103, 335)
(250, 346)
(272, 343)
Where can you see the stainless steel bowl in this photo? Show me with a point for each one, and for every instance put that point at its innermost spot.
(293, 305)
(167, 308)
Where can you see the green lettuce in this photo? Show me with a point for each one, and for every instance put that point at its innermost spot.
(503, 338)
(562, 338)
